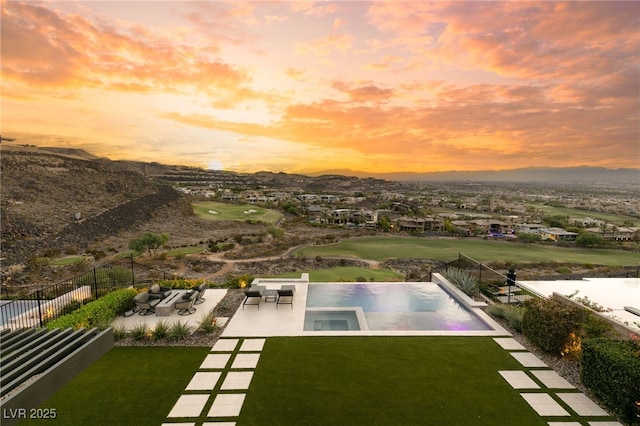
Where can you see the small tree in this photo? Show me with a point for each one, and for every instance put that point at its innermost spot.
(150, 242)
(588, 239)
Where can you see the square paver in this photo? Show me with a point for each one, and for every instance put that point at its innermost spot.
(527, 359)
(519, 379)
(254, 345)
(609, 423)
(178, 424)
(189, 406)
(551, 379)
(564, 424)
(215, 361)
(204, 381)
(544, 405)
(509, 343)
(237, 380)
(246, 361)
(582, 405)
(227, 405)
(219, 424)
(225, 345)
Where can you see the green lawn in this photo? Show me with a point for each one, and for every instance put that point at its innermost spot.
(346, 273)
(64, 261)
(185, 250)
(211, 210)
(577, 213)
(128, 385)
(383, 248)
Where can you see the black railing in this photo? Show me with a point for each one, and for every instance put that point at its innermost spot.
(492, 283)
(42, 305)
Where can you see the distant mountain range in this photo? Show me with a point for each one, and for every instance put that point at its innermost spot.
(582, 174)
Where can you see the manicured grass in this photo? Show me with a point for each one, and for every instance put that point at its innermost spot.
(63, 261)
(185, 250)
(211, 210)
(577, 213)
(346, 273)
(383, 248)
(128, 385)
(384, 381)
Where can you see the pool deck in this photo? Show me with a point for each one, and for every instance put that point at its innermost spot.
(270, 320)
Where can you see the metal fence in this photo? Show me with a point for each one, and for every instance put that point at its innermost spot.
(492, 283)
(40, 306)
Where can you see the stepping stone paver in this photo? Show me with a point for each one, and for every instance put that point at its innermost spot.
(246, 361)
(564, 424)
(204, 381)
(509, 343)
(582, 405)
(255, 345)
(544, 405)
(189, 406)
(519, 379)
(610, 423)
(178, 424)
(215, 361)
(551, 379)
(237, 380)
(219, 424)
(226, 405)
(225, 345)
(527, 359)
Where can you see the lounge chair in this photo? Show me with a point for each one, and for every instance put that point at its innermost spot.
(253, 296)
(161, 291)
(285, 295)
(146, 302)
(200, 289)
(184, 305)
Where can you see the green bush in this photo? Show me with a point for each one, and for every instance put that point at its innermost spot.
(139, 332)
(550, 324)
(160, 331)
(611, 370)
(179, 331)
(208, 323)
(467, 283)
(98, 313)
(512, 314)
(181, 283)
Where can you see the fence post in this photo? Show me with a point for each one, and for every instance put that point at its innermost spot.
(39, 296)
(133, 273)
(95, 283)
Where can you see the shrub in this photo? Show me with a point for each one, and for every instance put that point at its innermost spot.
(467, 283)
(512, 314)
(119, 333)
(179, 330)
(208, 323)
(160, 331)
(611, 370)
(98, 313)
(181, 283)
(139, 332)
(548, 324)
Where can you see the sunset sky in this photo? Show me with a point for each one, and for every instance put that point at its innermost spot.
(300, 86)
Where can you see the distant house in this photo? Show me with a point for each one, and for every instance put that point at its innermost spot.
(557, 234)
(615, 233)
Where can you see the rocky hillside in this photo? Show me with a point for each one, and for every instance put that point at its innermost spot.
(52, 200)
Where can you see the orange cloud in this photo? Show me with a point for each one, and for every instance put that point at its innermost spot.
(325, 46)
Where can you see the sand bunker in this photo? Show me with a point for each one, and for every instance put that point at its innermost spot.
(250, 211)
(213, 212)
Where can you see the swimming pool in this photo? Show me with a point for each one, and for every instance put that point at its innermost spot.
(386, 306)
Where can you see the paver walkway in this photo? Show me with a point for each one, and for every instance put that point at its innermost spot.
(547, 393)
(215, 388)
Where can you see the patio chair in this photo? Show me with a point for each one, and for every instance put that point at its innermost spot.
(285, 295)
(161, 291)
(253, 296)
(185, 304)
(146, 303)
(200, 289)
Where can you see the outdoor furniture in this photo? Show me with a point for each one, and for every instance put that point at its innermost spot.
(160, 291)
(253, 296)
(146, 302)
(270, 295)
(185, 304)
(285, 295)
(165, 307)
(200, 289)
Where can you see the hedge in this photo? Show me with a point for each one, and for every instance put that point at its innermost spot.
(611, 370)
(182, 283)
(98, 313)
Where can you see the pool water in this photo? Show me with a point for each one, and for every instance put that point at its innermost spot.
(386, 306)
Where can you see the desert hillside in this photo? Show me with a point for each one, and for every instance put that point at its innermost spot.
(52, 200)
